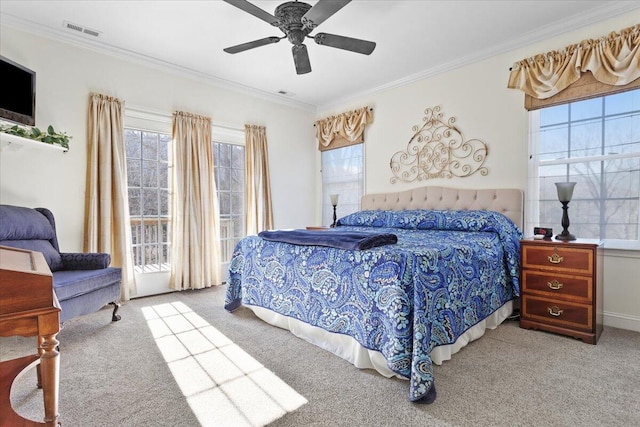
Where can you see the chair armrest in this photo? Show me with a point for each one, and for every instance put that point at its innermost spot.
(85, 261)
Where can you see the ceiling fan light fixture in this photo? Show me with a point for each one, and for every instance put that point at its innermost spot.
(296, 36)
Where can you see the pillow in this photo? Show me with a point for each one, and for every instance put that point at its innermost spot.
(26, 228)
(19, 223)
(369, 218)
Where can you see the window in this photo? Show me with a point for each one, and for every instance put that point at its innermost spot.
(147, 157)
(596, 143)
(342, 174)
(229, 172)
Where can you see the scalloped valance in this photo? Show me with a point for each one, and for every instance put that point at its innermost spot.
(613, 60)
(343, 129)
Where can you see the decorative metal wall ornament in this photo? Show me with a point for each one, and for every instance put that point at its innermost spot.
(438, 150)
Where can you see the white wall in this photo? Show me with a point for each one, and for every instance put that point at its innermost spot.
(485, 109)
(66, 74)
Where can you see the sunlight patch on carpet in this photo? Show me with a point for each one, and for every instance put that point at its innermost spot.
(223, 384)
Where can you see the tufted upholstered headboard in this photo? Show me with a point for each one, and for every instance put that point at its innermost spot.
(508, 201)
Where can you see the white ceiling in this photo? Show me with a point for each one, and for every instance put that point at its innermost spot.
(414, 38)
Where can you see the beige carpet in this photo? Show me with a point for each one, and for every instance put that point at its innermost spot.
(136, 373)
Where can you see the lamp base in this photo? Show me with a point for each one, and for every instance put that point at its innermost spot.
(565, 237)
(335, 218)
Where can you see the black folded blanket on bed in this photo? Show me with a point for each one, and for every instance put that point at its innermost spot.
(332, 238)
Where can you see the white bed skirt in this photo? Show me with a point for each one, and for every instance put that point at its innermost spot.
(363, 358)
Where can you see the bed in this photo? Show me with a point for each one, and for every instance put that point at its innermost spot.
(397, 307)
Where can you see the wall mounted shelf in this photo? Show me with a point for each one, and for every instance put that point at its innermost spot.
(10, 142)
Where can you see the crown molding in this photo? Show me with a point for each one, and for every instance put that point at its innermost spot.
(63, 36)
(593, 16)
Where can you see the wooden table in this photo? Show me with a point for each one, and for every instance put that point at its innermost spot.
(28, 307)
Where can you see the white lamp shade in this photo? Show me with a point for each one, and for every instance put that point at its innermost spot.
(565, 190)
(334, 199)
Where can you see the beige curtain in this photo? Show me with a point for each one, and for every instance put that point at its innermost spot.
(613, 60)
(343, 130)
(258, 211)
(107, 226)
(195, 244)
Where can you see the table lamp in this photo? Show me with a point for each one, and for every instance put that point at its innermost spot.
(334, 203)
(565, 192)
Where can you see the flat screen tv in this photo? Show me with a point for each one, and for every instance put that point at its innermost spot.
(18, 100)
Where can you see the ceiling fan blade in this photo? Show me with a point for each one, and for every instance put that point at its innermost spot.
(321, 11)
(250, 45)
(301, 59)
(254, 10)
(347, 43)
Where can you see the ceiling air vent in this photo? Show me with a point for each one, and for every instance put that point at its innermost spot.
(80, 29)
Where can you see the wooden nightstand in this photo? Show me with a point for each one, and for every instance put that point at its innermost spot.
(318, 227)
(561, 284)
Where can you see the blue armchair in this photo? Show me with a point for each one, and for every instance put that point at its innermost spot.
(82, 282)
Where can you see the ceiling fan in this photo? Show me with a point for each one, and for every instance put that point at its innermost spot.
(296, 20)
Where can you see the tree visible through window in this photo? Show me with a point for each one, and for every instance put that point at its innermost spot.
(596, 143)
(147, 156)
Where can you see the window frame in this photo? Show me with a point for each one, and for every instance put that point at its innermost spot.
(532, 212)
(342, 208)
(161, 220)
(234, 238)
(234, 135)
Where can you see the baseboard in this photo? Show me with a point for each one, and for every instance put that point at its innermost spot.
(149, 293)
(622, 321)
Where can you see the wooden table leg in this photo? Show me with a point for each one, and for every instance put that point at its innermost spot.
(49, 376)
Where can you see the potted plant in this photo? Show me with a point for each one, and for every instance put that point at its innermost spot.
(48, 137)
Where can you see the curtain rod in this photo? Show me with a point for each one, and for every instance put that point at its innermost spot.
(164, 117)
(370, 109)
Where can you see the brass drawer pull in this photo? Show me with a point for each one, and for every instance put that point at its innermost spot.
(555, 285)
(555, 311)
(555, 258)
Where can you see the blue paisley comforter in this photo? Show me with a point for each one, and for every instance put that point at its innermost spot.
(448, 271)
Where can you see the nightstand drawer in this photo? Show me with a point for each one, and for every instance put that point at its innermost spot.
(577, 288)
(558, 258)
(555, 312)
